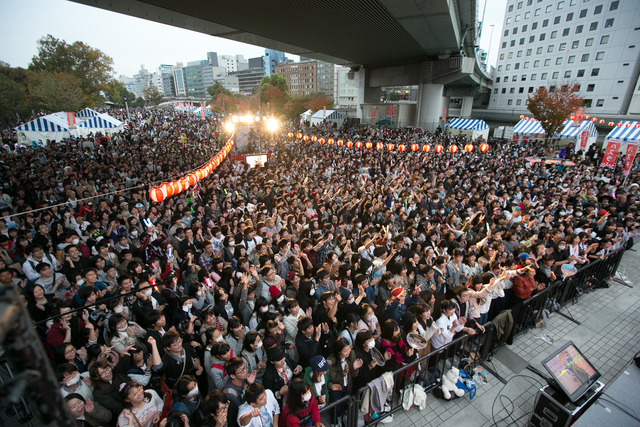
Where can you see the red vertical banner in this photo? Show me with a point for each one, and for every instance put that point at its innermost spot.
(394, 110)
(632, 149)
(373, 112)
(388, 110)
(579, 114)
(584, 136)
(71, 119)
(611, 154)
(444, 114)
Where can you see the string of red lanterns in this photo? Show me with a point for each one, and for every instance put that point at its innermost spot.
(484, 147)
(168, 189)
(588, 117)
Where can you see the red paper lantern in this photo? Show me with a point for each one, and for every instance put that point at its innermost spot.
(453, 149)
(185, 183)
(358, 144)
(349, 144)
(526, 119)
(156, 194)
(390, 147)
(368, 145)
(611, 123)
(340, 143)
(314, 138)
(414, 147)
(290, 134)
(619, 124)
(484, 147)
(587, 117)
(167, 189)
(637, 126)
(439, 148)
(572, 117)
(593, 119)
(191, 179)
(299, 135)
(601, 121)
(522, 116)
(426, 148)
(177, 187)
(330, 141)
(401, 148)
(379, 145)
(321, 141)
(305, 138)
(468, 148)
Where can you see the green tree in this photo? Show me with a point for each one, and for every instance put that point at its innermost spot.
(55, 91)
(552, 106)
(152, 95)
(274, 80)
(318, 101)
(13, 93)
(118, 94)
(92, 68)
(139, 102)
(217, 89)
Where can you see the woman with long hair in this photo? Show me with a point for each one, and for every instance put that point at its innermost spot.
(143, 408)
(301, 403)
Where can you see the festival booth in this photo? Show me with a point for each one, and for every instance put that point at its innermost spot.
(471, 128)
(622, 139)
(207, 111)
(306, 116)
(582, 135)
(326, 115)
(85, 114)
(102, 123)
(527, 130)
(54, 127)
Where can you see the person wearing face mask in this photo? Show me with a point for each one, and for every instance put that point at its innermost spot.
(72, 381)
(254, 354)
(185, 312)
(87, 412)
(144, 303)
(277, 299)
(188, 400)
(301, 403)
(123, 334)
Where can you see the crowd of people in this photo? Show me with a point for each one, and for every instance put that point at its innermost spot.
(256, 297)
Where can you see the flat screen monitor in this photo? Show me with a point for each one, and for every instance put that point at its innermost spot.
(571, 371)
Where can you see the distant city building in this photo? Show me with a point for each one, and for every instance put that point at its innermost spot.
(212, 58)
(128, 82)
(231, 83)
(229, 62)
(345, 94)
(270, 59)
(179, 81)
(595, 44)
(301, 77)
(163, 81)
(325, 78)
(198, 76)
(142, 81)
(241, 63)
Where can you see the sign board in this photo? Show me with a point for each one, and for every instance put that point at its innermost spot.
(508, 132)
(394, 110)
(584, 137)
(373, 112)
(71, 119)
(632, 149)
(611, 154)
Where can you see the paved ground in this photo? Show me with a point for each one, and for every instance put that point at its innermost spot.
(609, 336)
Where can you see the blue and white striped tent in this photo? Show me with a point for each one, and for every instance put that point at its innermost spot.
(329, 115)
(624, 135)
(529, 128)
(569, 131)
(52, 126)
(102, 123)
(470, 127)
(85, 113)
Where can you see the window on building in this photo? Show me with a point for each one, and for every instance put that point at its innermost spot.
(542, 36)
(530, 90)
(559, 60)
(510, 8)
(572, 2)
(524, 28)
(580, 73)
(510, 55)
(604, 39)
(567, 74)
(522, 41)
(527, 15)
(539, 50)
(518, 101)
(587, 103)
(569, 16)
(534, 76)
(513, 43)
(506, 33)
(548, 9)
(504, 45)
(560, 5)
(608, 23)
(508, 67)
(575, 44)
(534, 26)
(585, 57)
(518, 16)
(517, 66)
(600, 103)
(514, 78)
(508, 21)
(595, 72)
(550, 48)
(571, 59)
(499, 67)
(501, 56)
(579, 29)
(556, 20)
(583, 13)
(495, 91)
(593, 26)
(563, 46)
(512, 90)
(497, 79)
(529, 52)
(547, 62)
(589, 42)
(515, 30)
(504, 90)
(536, 12)
(536, 63)
(554, 34)
(509, 101)
(555, 76)
(545, 23)
(565, 32)
(523, 78)
(599, 56)
(543, 76)
(519, 5)
(526, 65)
(591, 87)
(519, 54)
(597, 10)
(614, 5)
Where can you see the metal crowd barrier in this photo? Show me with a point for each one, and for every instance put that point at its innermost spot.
(478, 348)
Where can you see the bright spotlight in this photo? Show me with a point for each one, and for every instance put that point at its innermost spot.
(272, 125)
(229, 127)
(234, 119)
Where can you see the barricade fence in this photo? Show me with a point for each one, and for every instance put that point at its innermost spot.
(428, 370)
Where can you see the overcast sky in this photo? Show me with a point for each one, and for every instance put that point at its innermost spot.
(132, 41)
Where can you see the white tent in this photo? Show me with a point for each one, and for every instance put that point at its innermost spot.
(470, 127)
(86, 113)
(627, 132)
(529, 129)
(329, 115)
(306, 115)
(573, 133)
(53, 126)
(102, 123)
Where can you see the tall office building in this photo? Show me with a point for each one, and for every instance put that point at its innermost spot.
(198, 76)
(301, 77)
(178, 80)
(272, 58)
(230, 63)
(326, 78)
(595, 44)
(212, 58)
(163, 80)
(345, 92)
(142, 81)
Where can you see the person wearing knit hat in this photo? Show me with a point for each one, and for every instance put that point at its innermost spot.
(394, 307)
(277, 298)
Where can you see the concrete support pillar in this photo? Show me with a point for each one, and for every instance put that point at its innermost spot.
(366, 94)
(430, 104)
(467, 104)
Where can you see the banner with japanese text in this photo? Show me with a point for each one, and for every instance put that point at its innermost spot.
(71, 119)
(584, 137)
(632, 149)
(373, 112)
(394, 110)
(611, 154)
